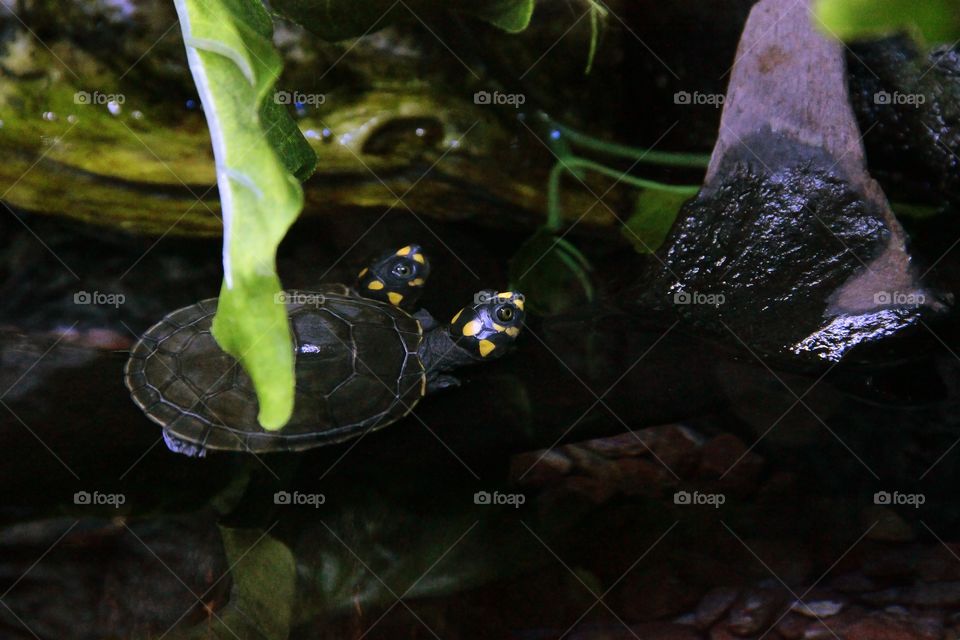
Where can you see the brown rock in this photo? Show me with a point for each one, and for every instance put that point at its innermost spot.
(792, 626)
(756, 611)
(539, 468)
(726, 456)
(644, 477)
(637, 443)
(935, 594)
(664, 631)
(889, 527)
(674, 446)
(818, 607)
(646, 631)
(882, 627)
(714, 604)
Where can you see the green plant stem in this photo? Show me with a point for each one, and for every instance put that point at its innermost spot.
(648, 156)
(554, 219)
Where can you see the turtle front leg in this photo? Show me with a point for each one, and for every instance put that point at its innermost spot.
(442, 381)
(177, 445)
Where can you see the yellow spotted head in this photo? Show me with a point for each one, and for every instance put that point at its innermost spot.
(396, 277)
(490, 325)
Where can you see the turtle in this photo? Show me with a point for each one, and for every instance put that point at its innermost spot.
(361, 364)
(396, 277)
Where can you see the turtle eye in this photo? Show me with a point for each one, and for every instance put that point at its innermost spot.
(402, 270)
(505, 313)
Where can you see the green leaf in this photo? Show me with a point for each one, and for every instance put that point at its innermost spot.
(341, 19)
(258, 155)
(285, 137)
(917, 211)
(653, 216)
(930, 20)
(513, 16)
(597, 11)
(263, 572)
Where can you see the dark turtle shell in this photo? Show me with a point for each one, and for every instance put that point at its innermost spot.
(357, 369)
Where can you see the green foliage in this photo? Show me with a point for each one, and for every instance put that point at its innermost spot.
(548, 268)
(264, 573)
(260, 155)
(341, 19)
(653, 215)
(929, 20)
(512, 16)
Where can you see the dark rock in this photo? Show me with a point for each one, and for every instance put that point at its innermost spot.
(790, 248)
(908, 106)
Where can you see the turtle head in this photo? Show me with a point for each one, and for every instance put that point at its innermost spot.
(489, 326)
(396, 277)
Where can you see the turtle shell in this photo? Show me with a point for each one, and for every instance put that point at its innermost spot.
(357, 369)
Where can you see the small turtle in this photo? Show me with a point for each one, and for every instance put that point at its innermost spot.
(361, 363)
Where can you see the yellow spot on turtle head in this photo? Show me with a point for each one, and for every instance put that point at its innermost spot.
(363, 273)
(505, 294)
(375, 285)
(472, 328)
(519, 303)
(394, 297)
(416, 282)
(419, 258)
(498, 327)
(404, 251)
(486, 347)
(456, 317)
(513, 332)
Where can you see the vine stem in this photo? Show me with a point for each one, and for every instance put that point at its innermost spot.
(648, 156)
(571, 163)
